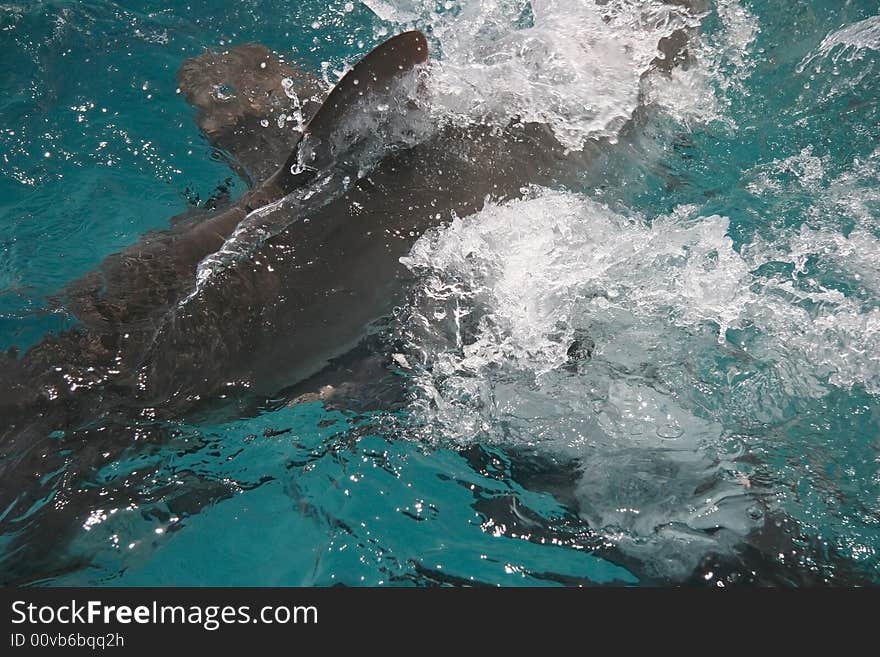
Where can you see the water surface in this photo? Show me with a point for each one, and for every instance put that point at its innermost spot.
(668, 372)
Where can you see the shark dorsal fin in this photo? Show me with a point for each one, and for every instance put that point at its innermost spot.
(373, 74)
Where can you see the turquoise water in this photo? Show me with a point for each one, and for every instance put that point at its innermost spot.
(762, 358)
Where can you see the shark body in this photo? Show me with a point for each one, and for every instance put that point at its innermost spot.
(155, 340)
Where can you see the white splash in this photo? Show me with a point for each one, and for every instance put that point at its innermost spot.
(529, 276)
(576, 66)
(847, 43)
(805, 168)
(690, 338)
(700, 92)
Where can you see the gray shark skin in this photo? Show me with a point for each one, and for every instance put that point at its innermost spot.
(153, 345)
(234, 91)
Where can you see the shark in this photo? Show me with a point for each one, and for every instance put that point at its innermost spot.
(237, 300)
(280, 289)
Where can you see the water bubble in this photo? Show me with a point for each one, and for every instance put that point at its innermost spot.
(669, 431)
(224, 92)
(287, 85)
(636, 429)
